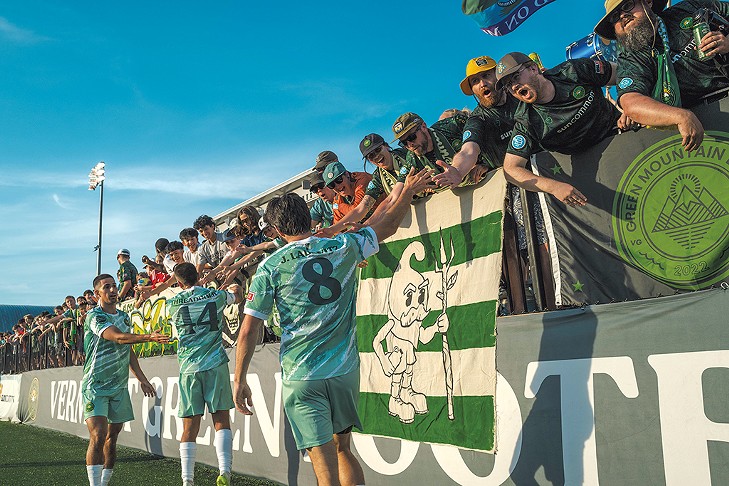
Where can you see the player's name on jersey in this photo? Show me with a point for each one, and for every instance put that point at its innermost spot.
(302, 252)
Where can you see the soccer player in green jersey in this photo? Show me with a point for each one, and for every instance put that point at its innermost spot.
(312, 282)
(104, 386)
(197, 314)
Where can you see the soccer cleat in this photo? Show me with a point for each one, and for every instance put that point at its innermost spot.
(223, 480)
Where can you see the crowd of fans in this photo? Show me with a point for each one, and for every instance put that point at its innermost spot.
(522, 108)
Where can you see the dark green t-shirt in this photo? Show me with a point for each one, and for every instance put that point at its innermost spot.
(384, 180)
(447, 138)
(578, 116)
(127, 271)
(491, 129)
(637, 70)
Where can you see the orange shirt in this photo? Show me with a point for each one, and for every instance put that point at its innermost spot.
(341, 206)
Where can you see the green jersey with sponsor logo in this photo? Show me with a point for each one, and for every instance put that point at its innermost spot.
(106, 369)
(384, 180)
(491, 129)
(638, 70)
(313, 283)
(578, 117)
(197, 314)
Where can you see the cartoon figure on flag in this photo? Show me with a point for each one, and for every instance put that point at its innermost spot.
(408, 307)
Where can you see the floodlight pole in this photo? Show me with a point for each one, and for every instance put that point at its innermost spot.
(96, 179)
(101, 212)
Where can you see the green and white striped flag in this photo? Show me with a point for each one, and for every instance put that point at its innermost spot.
(418, 383)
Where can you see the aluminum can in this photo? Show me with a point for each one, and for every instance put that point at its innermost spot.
(700, 30)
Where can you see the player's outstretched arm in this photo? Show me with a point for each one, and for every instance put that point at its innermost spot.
(113, 333)
(391, 219)
(250, 330)
(147, 388)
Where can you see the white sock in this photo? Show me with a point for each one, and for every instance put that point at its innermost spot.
(224, 449)
(187, 458)
(106, 476)
(94, 473)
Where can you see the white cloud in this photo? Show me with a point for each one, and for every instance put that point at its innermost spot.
(57, 200)
(16, 34)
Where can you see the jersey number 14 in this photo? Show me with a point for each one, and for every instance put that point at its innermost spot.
(208, 317)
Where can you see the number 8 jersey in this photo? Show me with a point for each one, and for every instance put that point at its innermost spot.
(197, 314)
(313, 283)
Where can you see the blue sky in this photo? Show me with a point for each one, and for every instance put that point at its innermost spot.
(196, 107)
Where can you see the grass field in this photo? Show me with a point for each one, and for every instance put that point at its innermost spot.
(32, 456)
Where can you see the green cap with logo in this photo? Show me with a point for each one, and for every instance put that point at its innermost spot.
(405, 123)
(509, 64)
(332, 171)
(370, 143)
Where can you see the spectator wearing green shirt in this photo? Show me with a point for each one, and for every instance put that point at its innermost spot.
(433, 147)
(321, 211)
(127, 274)
(562, 109)
(659, 71)
(488, 128)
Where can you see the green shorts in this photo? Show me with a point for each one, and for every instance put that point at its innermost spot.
(209, 387)
(117, 407)
(318, 409)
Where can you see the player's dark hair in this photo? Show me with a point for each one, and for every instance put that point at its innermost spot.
(161, 244)
(290, 214)
(174, 245)
(70, 297)
(188, 233)
(203, 220)
(186, 273)
(99, 278)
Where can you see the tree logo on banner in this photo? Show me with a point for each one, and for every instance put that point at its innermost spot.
(671, 212)
(33, 396)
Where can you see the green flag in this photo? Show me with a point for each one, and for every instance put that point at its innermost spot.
(426, 318)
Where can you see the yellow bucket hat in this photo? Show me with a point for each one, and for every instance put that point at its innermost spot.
(475, 66)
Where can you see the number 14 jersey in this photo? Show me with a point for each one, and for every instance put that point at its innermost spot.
(197, 314)
(313, 283)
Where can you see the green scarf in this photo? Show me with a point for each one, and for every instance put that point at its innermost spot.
(666, 89)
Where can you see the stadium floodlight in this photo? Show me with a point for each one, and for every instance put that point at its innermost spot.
(97, 176)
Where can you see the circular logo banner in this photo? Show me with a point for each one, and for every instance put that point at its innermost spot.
(671, 212)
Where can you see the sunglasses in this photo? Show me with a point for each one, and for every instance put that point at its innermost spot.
(409, 139)
(626, 6)
(336, 182)
(316, 187)
(508, 82)
(374, 152)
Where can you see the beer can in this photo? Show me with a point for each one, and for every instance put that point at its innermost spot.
(700, 30)
(537, 60)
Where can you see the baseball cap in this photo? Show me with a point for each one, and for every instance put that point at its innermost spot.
(124, 252)
(475, 66)
(229, 235)
(333, 170)
(509, 64)
(405, 123)
(607, 30)
(315, 181)
(325, 158)
(370, 143)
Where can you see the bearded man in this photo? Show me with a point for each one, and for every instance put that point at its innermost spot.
(488, 129)
(660, 73)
